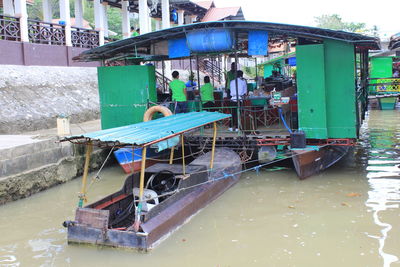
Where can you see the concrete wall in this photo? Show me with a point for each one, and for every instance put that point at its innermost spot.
(31, 168)
(31, 97)
(21, 53)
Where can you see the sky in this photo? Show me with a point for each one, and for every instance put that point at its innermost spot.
(385, 13)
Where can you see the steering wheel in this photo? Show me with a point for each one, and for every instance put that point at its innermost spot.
(161, 184)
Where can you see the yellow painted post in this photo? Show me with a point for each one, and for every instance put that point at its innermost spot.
(141, 190)
(82, 195)
(142, 169)
(183, 155)
(171, 156)
(213, 145)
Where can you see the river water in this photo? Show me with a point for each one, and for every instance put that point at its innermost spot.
(347, 216)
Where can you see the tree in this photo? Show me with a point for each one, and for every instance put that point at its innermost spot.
(335, 22)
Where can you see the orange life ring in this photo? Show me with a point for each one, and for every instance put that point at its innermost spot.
(148, 115)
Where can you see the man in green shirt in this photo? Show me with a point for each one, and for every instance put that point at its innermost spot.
(207, 93)
(178, 89)
(135, 32)
(230, 76)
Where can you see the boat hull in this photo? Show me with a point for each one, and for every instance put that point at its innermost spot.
(311, 162)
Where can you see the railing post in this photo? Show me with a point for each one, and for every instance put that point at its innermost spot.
(65, 16)
(21, 13)
(8, 8)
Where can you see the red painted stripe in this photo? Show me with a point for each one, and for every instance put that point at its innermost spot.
(110, 202)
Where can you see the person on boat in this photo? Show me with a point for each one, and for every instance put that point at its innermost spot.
(241, 93)
(396, 74)
(230, 75)
(207, 93)
(191, 86)
(179, 94)
(135, 32)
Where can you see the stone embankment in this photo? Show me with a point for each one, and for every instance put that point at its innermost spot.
(31, 97)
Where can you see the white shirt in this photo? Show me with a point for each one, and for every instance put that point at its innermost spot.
(242, 88)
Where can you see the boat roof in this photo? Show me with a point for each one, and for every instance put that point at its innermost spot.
(145, 43)
(149, 132)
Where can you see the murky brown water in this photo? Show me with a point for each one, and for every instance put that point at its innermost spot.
(347, 216)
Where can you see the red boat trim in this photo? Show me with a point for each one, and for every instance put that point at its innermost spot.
(310, 142)
(110, 202)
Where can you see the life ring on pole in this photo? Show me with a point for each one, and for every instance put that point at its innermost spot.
(148, 115)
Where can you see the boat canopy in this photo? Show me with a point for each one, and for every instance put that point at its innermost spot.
(154, 45)
(150, 132)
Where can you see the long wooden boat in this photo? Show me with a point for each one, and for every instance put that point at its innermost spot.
(159, 199)
(173, 198)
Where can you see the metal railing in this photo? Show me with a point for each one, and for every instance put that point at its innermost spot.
(46, 33)
(84, 38)
(256, 117)
(10, 28)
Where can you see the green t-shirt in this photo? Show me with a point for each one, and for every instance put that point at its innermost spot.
(229, 77)
(178, 90)
(207, 92)
(134, 34)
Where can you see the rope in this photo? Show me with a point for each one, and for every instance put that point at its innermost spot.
(225, 175)
(97, 176)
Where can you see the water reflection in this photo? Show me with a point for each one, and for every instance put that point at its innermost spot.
(381, 134)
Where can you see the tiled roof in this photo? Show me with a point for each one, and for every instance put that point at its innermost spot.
(220, 13)
(204, 4)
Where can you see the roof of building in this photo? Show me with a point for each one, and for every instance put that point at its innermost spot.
(149, 132)
(223, 13)
(150, 41)
(205, 4)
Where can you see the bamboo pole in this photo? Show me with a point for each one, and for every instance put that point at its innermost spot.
(213, 145)
(82, 195)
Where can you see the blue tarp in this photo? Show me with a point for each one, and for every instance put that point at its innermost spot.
(144, 133)
(258, 43)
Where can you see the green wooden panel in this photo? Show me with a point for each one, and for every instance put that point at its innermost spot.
(340, 89)
(311, 90)
(268, 70)
(381, 67)
(124, 92)
(387, 103)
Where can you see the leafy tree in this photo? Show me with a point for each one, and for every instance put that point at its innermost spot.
(335, 22)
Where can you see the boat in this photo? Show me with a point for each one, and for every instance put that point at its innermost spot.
(131, 159)
(157, 201)
(315, 159)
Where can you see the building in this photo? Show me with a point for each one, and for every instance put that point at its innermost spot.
(24, 41)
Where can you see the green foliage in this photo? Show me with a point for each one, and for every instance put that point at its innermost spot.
(335, 22)
(250, 71)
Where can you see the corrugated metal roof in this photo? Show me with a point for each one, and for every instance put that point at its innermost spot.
(146, 41)
(220, 13)
(150, 132)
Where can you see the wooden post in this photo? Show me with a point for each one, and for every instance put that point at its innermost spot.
(213, 145)
(171, 156)
(82, 195)
(142, 169)
(183, 155)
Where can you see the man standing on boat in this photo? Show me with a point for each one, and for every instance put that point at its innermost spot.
(237, 95)
(230, 75)
(179, 94)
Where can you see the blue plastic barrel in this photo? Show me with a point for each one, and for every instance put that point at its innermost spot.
(210, 40)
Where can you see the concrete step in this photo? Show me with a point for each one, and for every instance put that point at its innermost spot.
(14, 146)
(31, 156)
